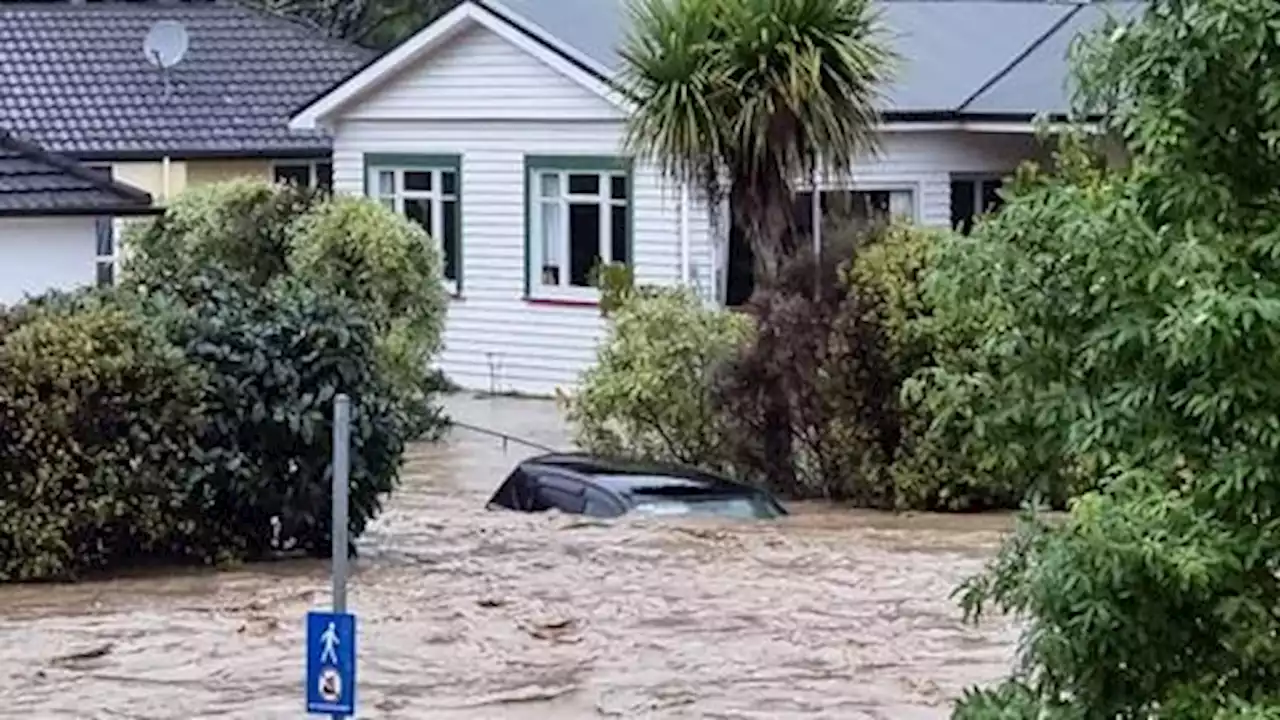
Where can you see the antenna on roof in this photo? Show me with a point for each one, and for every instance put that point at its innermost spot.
(165, 45)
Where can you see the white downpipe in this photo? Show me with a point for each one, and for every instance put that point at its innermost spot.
(686, 267)
(164, 181)
(815, 210)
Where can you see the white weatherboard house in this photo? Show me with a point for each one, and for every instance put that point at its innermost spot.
(500, 129)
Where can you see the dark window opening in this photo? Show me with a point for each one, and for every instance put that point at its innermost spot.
(972, 198)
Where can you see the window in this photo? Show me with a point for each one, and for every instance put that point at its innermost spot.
(105, 256)
(428, 191)
(563, 495)
(867, 207)
(579, 217)
(318, 174)
(971, 197)
(598, 504)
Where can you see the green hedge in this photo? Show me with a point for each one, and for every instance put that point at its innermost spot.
(100, 423)
(187, 416)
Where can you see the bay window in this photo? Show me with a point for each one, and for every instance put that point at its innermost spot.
(579, 216)
(428, 191)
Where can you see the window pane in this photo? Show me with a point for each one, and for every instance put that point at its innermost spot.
(324, 176)
(106, 237)
(874, 204)
(618, 235)
(552, 231)
(991, 199)
(106, 273)
(584, 242)
(450, 240)
(584, 184)
(419, 211)
(417, 180)
(386, 183)
(299, 175)
(449, 182)
(549, 185)
(901, 204)
(962, 209)
(618, 187)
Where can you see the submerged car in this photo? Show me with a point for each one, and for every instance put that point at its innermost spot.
(598, 487)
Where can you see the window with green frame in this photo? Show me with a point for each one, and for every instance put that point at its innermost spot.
(426, 189)
(579, 215)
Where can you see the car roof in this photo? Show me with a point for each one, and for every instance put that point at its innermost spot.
(627, 477)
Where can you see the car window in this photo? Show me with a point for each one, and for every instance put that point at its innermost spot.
(598, 504)
(561, 494)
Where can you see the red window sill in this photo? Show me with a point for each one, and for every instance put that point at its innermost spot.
(562, 302)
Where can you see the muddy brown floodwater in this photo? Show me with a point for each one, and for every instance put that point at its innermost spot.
(484, 615)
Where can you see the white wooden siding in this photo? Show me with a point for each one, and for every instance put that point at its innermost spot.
(40, 254)
(489, 102)
(480, 76)
(495, 339)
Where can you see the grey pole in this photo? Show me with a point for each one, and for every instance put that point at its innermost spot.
(341, 485)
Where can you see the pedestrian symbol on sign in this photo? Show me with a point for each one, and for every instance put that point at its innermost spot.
(330, 641)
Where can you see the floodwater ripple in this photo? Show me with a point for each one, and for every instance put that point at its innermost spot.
(477, 615)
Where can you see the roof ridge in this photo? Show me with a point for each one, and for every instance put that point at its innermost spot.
(1017, 60)
(65, 164)
(111, 5)
(296, 25)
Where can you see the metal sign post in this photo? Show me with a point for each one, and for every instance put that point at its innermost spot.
(341, 486)
(331, 636)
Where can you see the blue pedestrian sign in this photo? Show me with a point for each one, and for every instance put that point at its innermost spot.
(331, 663)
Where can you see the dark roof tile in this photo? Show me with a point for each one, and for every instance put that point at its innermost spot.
(36, 182)
(73, 78)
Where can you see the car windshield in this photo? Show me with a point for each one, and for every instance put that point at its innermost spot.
(738, 507)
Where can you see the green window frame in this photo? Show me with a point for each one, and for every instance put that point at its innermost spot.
(428, 190)
(579, 211)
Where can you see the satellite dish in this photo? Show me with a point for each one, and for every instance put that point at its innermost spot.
(166, 43)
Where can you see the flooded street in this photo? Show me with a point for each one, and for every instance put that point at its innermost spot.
(483, 615)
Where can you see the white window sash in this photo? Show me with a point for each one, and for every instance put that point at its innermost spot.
(538, 203)
(437, 198)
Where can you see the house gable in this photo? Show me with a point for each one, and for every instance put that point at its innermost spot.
(480, 75)
(470, 64)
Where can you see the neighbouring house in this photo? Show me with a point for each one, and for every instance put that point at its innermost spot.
(500, 128)
(74, 80)
(55, 219)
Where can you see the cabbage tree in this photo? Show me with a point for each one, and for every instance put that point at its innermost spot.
(743, 98)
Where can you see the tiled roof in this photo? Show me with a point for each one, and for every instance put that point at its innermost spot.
(73, 79)
(35, 182)
(953, 52)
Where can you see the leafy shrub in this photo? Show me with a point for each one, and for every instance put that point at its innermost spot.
(810, 403)
(386, 263)
(893, 264)
(251, 233)
(649, 393)
(100, 418)
(275, 359)
(1143, 328)
(389, 266)
(241, 225)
